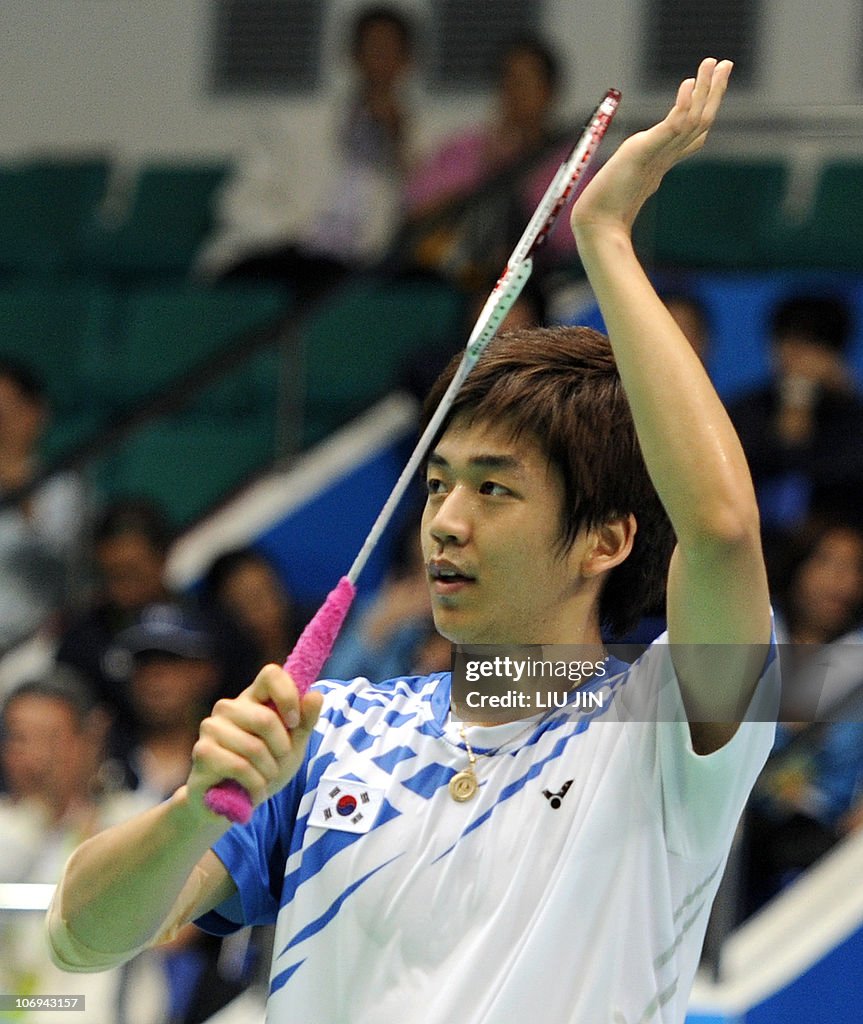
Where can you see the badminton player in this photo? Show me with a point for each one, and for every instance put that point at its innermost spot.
(425, 868)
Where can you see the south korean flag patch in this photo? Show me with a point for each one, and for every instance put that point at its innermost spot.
(346, 805)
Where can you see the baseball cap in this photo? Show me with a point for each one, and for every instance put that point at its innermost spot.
(169, 629)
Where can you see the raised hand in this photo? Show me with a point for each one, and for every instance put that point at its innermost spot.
(617, 192)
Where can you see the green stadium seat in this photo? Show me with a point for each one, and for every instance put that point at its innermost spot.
(169, 215)
(356, 345)
(163, 331)
(58, 330)
(72, 428)
(189, 462)
(715, 213)
(44, 207)
(832, 235)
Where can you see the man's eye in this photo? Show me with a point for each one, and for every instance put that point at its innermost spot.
(434, 485)
(494, 490)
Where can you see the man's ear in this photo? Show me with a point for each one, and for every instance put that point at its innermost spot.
(607, 546)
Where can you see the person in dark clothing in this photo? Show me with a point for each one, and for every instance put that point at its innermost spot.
(130, 549)
(131, 544)
(801, 432)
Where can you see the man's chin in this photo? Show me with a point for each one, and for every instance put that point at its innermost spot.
(460, 631)
(447, 624)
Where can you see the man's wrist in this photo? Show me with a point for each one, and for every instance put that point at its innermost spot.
(602, 243)
(190, 815)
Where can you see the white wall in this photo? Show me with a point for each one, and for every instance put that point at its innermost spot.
(129, 75)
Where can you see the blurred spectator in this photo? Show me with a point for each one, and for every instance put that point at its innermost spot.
(245, 585)
(816, 579)
(174, 681)
(805, 798)
(817, 582)
(690, 315)
(51, 748)
(801, 432)
(520, 126)
(130, 548)
(356, 208)
(131, 543)
(54, 732)
(41, 536)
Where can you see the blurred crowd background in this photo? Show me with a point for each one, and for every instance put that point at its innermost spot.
(200, 292)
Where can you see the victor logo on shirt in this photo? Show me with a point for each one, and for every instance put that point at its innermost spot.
(556, 799)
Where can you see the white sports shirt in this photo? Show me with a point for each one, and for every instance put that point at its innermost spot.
(574, 888)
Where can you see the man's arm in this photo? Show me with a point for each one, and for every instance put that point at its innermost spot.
(134, 885)
(717, 586)
(137, 882)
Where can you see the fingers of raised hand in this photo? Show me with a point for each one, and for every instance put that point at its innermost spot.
(698, 101)
(710, 85)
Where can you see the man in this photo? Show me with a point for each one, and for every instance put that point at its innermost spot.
(41, 535)
(131, 542)
(571, 864)
(469, 244)
(52, 740)
(801, 429)
(174, 679)
(273, 226)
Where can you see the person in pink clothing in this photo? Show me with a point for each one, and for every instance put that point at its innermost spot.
(521, 125)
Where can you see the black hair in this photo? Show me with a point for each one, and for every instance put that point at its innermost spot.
(561, 385)
(138, 516)
(823, 319)
(376, 14)
(62, 683)
(25, 379)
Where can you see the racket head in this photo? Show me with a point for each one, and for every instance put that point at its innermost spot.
(558, 193)
(568, 175)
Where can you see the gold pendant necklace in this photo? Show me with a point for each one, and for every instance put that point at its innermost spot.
(464, 784)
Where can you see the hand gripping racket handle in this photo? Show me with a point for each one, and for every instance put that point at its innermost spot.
(304, 665)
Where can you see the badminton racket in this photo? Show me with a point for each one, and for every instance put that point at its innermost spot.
(305, 662)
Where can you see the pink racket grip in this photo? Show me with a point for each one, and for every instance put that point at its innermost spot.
(304, 664)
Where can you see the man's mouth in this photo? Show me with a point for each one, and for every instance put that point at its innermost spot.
(446, 576)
